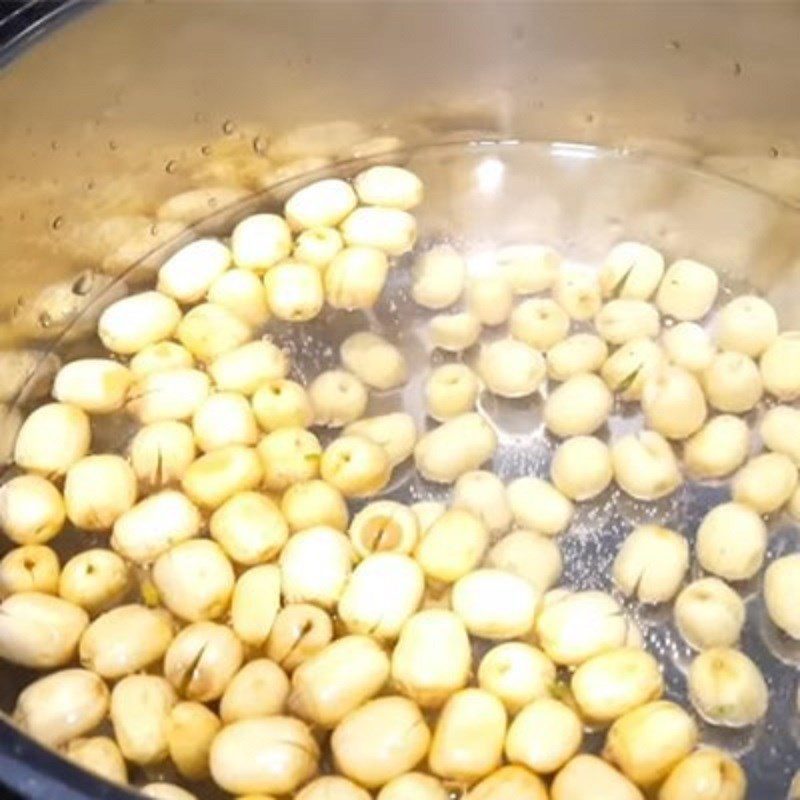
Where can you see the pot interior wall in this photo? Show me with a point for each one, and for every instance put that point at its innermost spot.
(126, 104)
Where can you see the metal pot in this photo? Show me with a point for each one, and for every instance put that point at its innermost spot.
(110, 110)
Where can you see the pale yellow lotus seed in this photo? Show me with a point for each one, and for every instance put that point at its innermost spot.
(718, 448)
(579, 406)
(388, 229)
(452, 546)
(255, 602)
(629, 367)
(511, 368)
(281, 403)
(578, 293)
(187, 275)
(673, 403)
(779, 366)
(100, 755)
(732, 382)
(393, 187)
(490, 299)
(195, 580)
(731, 542)
(544, 736)
(125, 640)
(613, 683)
(140, 709)
(384, 526)
(160, 357)
(381, 740)
(539, 322)
(432, 657)
(224, 418)
(299, 631)
(173, 394)
(651, 564)
(318, 246)
(780, 431)
(529, 268)
(237, 758)
(61, 706)
(54, 422)
(517, 674)
(356, 466)
(705, 770)
(338, 397)
(192, 728)
(355, 278)
(781, 583)
(220, 474)
(765, 482)
(623, 320)
(241, 291)
(311, 503)
(31, 510)
(468, 738)
(259, 689)
(645, 466)
(396, 433)
(539, 506)
(413, 784)
(382, 593)
(93, 579)
(450, 390)
(315, 565)
(574, 626)
(649, 741)
(586, 777)
(323, 203)
(484, 495)
(727, 688)
(708, 613)
(338, 679)
(438, 277)
(581, 467)
(30, 568)
(133, 323)
(581, 352)
(208, 331)
(376, 361)
(688, 290)
(246, 368)
(454, 332)
(96, 385)
(249, 527)
(294, 291)
(631, 270)
(460, 445)
(747, 324)
(98, 490)
(531, 555)
(688, 345)
(495, 604)
(260, 241)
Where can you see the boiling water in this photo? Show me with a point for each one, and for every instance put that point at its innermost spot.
(580, 200)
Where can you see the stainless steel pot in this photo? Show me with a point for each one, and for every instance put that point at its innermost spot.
(110, 110)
